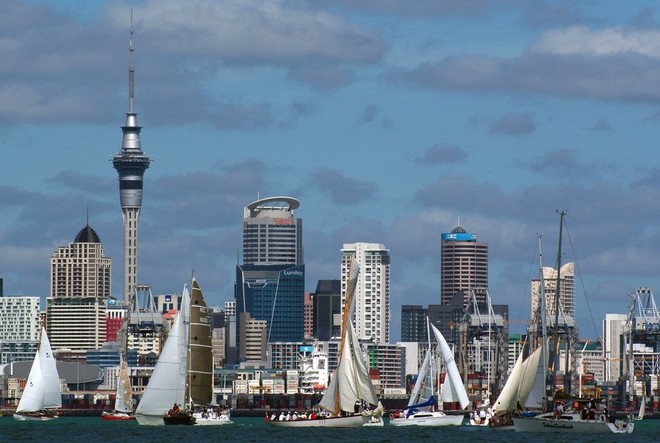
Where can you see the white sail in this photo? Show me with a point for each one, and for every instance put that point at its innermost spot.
(124, 398)
(532, 387)
(42, 388)
(351, 378)
(454, 390)
(424, 383)
(508, 398)
(168, 381)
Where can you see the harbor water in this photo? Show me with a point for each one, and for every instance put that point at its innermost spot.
(95, 430)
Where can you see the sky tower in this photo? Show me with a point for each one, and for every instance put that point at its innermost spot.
(130, 164)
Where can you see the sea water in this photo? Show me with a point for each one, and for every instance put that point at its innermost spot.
(94, 429)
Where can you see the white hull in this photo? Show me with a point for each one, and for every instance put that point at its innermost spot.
(21, 417)
(352, 421)
(428, 419)
(570, 424)
(217, 421)
(150, 420)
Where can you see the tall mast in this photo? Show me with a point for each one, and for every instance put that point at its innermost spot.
(556, 327)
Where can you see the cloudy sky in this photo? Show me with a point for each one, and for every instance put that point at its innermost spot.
(390, 121)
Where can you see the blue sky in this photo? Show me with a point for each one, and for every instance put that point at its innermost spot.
(388, 120)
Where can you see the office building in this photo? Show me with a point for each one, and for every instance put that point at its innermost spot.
(275, 294)
(270, 284)
(413, 323)
(372, 292)
(463, 266)
(130, 164)
(327, 309)
(271, 233)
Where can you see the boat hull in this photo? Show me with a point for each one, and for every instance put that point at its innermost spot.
(119, 416)
(26, 416)
(546, 424)
(351, 421)
(179, 419)
(216, 421)
(428, 419)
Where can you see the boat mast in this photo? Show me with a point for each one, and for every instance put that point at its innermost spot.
(556, 326)
(348, 303)
(544, 326)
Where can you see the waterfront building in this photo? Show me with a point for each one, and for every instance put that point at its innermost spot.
(19, 328)
(389, 363)
(327, 310)
(80, 286)
(372, 292)
(130, 164)
(614, 352)
(463, 266)
(413, 323)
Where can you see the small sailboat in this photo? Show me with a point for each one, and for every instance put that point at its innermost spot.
(642, 409)
(42, 394)
(420, 410)
(124, 397)
(350, 387)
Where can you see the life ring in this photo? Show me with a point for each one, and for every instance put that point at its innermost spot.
(601, 417)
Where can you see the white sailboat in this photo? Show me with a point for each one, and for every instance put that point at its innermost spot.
(42, 393)
(123, 398)
(420, 410)
(167, 385)
(350, 385)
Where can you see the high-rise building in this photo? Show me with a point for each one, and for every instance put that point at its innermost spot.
(80, 286)
(566, 292)
(271, 234)
(372, 292)
(327, 309)
(463, 266)
(614, 346)
(130, 164)
(19, 328)
(270, 284)
(81, 268)
(413, 323)
(275, 294)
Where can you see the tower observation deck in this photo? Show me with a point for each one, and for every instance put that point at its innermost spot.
(130, 164)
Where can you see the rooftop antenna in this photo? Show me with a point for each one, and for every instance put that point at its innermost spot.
(131, 69)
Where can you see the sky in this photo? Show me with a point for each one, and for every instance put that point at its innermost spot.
(390, 121)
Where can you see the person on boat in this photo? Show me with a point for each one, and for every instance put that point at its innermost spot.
(282, 416)
(174, 410)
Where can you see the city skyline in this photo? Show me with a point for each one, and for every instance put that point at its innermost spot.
(391, 122)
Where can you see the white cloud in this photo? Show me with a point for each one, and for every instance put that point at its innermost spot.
(579, 40)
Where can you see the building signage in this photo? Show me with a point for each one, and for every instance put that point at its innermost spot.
(459, 236)
(283, 221)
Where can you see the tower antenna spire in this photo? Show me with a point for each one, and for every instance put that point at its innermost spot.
(131, 70)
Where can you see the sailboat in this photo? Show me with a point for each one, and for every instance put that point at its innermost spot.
(419, 411)
(642, 409)
(559, 419)
(124, 397)
(200, 364)
(350, 386)
(167, 386)
(42, 393)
